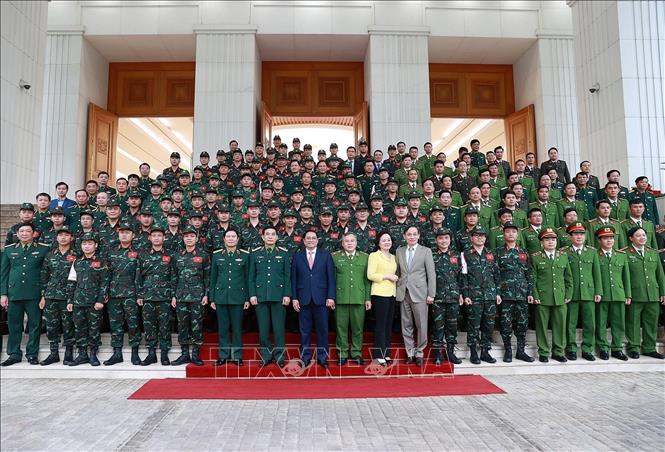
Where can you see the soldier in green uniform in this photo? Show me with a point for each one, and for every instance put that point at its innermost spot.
(463, 236)
(270, 293)
(619, 205)
(26, 214)
(123, 263)
(568, 200)
(569, 217)
(428, 230)
(448, 298)
(20, 291)
(53, 280)
(516, 289)
(604, 219)
(87, 293)
(549, 209)
(451, 213)
(647, 282)
(480, 282)
(636, 219)
(353, 298)
(155, 285)
(228, 295)
(553, 289)
(641, 191)
(531, 234)
(615, 277)
(191, 270)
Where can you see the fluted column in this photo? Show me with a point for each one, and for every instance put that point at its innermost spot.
(397, 86)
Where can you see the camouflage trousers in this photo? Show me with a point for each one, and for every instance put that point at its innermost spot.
(480, 324)
(445, 315)
(514, 316)
(87, 323)
(123, 310)
(157, 324)
(190, 322)
(59, 322)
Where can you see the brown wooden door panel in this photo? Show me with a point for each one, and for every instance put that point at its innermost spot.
(361, 123)
(266, 126)
(101, 144)
(520, 134)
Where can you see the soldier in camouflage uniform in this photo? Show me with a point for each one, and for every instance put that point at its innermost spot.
(398, 225)
(365, 233)
(154, 292)
(191, 268)
(123, 262)
(57, 218)
(448, 299)
(87, 292)
(58, 319)
(329, 235)
(463, 236)
(26, 213)
(428, 230)
(515, 288)
(250, 230)
(480, 290)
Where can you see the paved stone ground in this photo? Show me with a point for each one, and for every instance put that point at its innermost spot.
(614, 411)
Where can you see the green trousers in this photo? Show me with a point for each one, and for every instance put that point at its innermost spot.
(514, 316)
(87, 323)
(444, 314)
(123, 310)
(16, 312)
(157, 324)
(229, 325)
(271, 314)
(59, 322)
(616, 311)
(557, 314)
(480, 325)
(190, 322)
(349, 316)
(644, 315)
(587, 309)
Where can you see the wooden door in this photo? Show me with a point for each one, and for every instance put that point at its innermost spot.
(361, 123)
(520, 134)
(266, 126)
(100, 150)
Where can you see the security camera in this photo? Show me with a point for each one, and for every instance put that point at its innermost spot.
(25, 85)
(595, 88)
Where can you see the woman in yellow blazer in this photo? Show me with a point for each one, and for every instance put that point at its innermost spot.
(381, 270)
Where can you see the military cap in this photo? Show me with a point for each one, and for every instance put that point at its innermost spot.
(189, 230)
(296, 140)
(362, 141)
(211, 190)
(198, 168)
(86, 236)
(27, 206)
(321, 152)
(333, 146)
(146, 211)
(290, 213)
(471, 210)
(66, 229)
(214, 176)
(252, 204)
(87, 212)
(156, 228)
(194, 214)
(567, 210)
(281, 157)
(277, 177)
(392, 181)
(330, 180)
(124, 227)
(296, 190)
(57, 211)
(220, 152)
(161, 177)
(196, 194)
(113, 202)
(266, 187)
(184, 173)
(175, 189)
(343, 206)
(354, 190)
(307, 146)
(444, 231)
(308, 159)
(238, 194)
(361, 206)
(156, 182)
(547, 233)
(274, 204)
(325, 210)
(605, 231)
(414, 194)
(175, 155)
(222, 207)
(479, 230)
(306, 204)
(348, 175)
(376, 196)
(435, 209)
(244, 166)
(223, 163)
(165, 198)
(575, 227)
(401, 202)
(204, 154)
(134, 194)
(384, 168)
(173, 211)
(510, 225)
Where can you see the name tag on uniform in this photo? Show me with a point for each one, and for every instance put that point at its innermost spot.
(35, 253)
(238, 260)
(197, 259)
(278, 257)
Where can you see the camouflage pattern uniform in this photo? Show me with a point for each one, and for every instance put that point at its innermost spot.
(329, 240)
(366, 238)
(59, 321)
(155, 284)
(123, 266)
(445, 308)
(192, 273)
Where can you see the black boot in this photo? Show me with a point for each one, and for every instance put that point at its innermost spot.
(195, 356)
(69, 355)
(485, 356)
(473, 356)
(522, 356)
(182, 359)
(115, 358)
(151, 358)
(135, 356)
(165, 358)
(508, 354)
(451, 354)
(93, 357)
(437, 357)
(54, 357)
(82, 357)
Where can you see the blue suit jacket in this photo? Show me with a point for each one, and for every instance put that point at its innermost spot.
(66, 204)
(317, 284)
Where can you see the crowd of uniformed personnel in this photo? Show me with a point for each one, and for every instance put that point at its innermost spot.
(531, 242)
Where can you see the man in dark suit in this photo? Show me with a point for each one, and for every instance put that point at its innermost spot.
(554, 163)
(314, 291)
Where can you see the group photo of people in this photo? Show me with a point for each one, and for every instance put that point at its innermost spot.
(277, 239)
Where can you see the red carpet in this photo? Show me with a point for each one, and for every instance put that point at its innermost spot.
(346, 388)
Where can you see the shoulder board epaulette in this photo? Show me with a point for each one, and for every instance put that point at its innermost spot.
(592, 248)
(647, 247)
(283, 249)
(363, 253)
(619, 251)
(538, 253)
(12, 244)
(256, 249)
(335, 253)
(218, 251)
(43, 244)
(243, 251)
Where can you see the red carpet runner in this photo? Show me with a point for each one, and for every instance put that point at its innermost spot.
(333, 388)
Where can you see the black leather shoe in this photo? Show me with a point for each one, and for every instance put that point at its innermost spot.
(560, 358)
(359, 361)
(82, 358)
(620, 355)
(33, 360)
(450, 351)
(9, 361)
(323, 364)
(135, 356)
(485, 356)
(115, 358)
(93, 357)
(164, 358)
(604, 355)
(473, 356)
(151, 358)
(588, 356)
(220, 362)
(182, 359)
(50, 359)
(508, 356)
(69, 355)
(653, 354)
(522, 356)
(238, 362)
(572, 356)
(342, 361)
(419, 362)
(543, 359)
(409, 360)
(633, 355)
(195, 358)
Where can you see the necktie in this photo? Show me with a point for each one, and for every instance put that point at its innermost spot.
(608, 255)
(579, 252)
(639, 224)
(640, 253)
(551, 257)
(409, 259)
(310, 259)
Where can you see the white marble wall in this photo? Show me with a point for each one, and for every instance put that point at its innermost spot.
(225, 100)
(23, 37)
(397, 87)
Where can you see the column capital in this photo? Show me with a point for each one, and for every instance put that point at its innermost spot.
(214, 29)
(570, 3)
(66, 30)
(545, 33)
(393, 30)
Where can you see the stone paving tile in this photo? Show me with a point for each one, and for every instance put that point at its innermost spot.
(614, 411)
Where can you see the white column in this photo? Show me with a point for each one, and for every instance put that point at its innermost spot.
(397, 86)
(619, 45)
(227, 62)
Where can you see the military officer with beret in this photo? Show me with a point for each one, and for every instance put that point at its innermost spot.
(20, 291)
(553, 289)
(615, 278)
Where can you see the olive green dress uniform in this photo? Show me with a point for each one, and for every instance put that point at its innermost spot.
(191, 272)
(59, 321)
(620, 209)
(229, 290)
(647, 286)
(445, 309)
(353, 290)
(615, 277)
(596, 224)
(531, 239)
(579, 206)
(644, 224)
(550, 213)
(270, 281)
(650, 206)
(123, 265)
(20, 282)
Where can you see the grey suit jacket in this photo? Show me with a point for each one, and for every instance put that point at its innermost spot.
(421, 280)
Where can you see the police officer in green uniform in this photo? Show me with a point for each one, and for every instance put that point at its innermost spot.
(228, 295)
(615, 277)
(553, 289)
(191, 270)
(20, 290)
(353, 298)
(59, 322)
